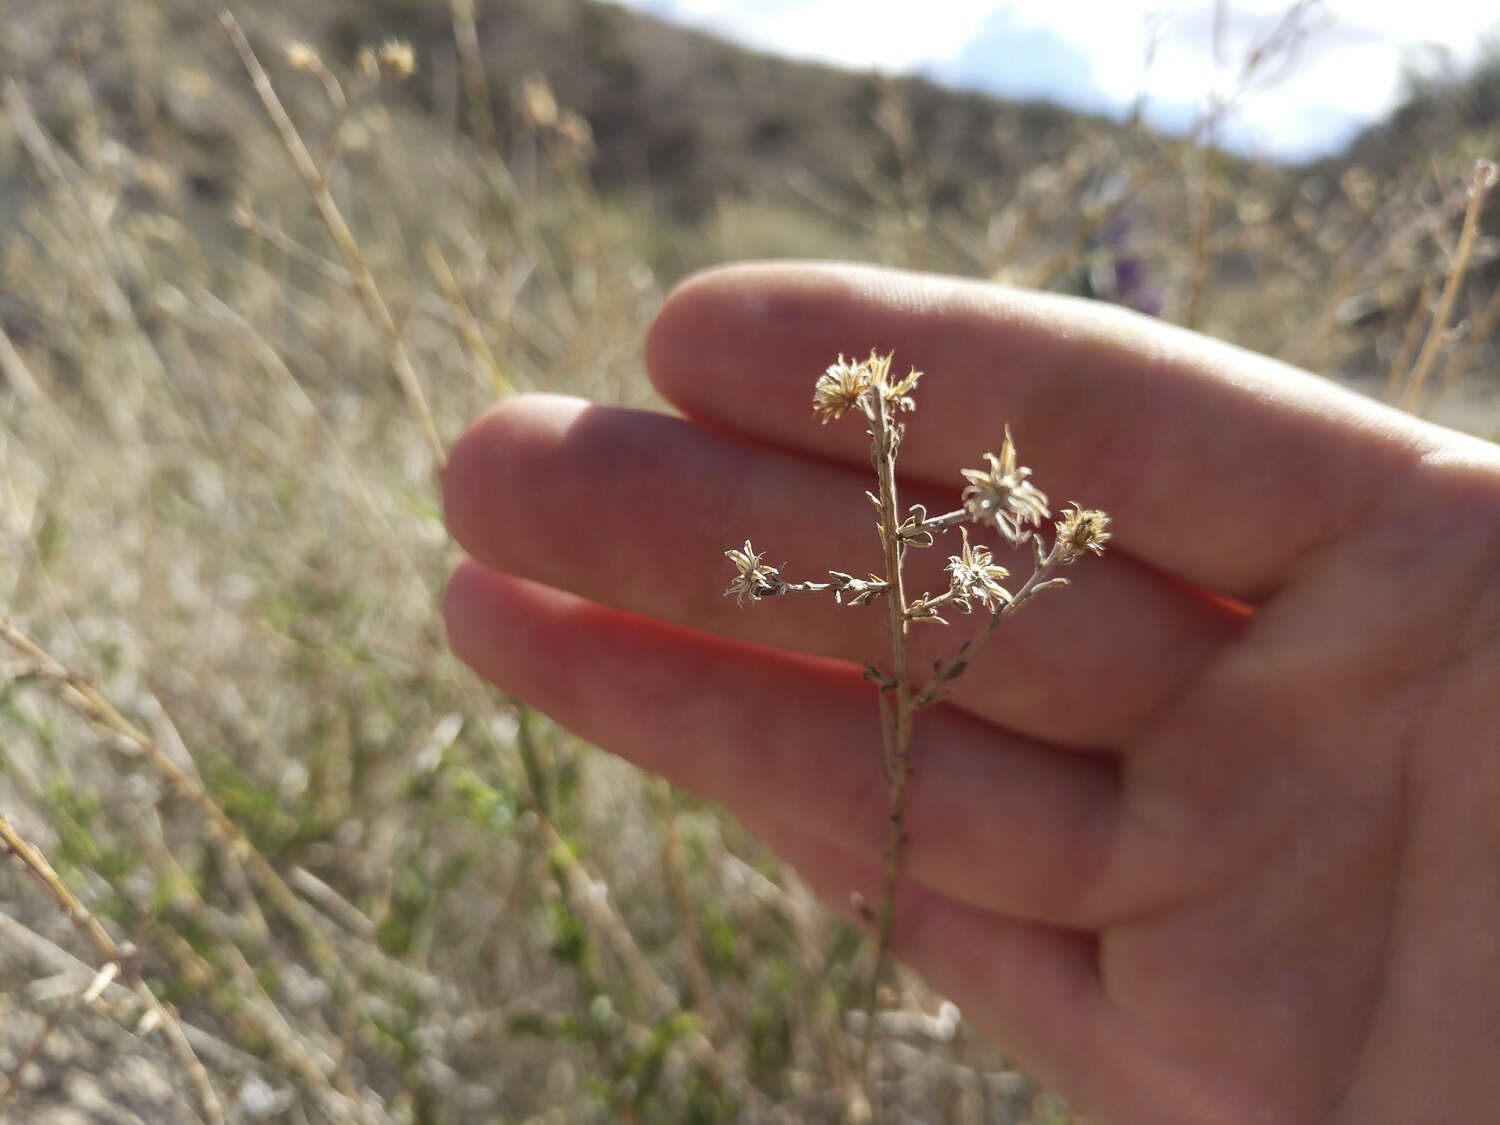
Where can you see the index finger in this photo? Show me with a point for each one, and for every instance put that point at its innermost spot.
(1222, 467)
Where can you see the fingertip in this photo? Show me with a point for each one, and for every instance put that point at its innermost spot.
(463, 602)
(733, 310)
(467, 467)
(686, 315)
(489, 465)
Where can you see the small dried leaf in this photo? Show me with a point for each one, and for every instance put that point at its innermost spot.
(102, 980)
(953, 671)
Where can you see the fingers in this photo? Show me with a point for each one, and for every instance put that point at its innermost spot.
(791, 740)
(635, 510)
(1219, 466)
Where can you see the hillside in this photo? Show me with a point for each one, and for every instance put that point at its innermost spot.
(1452, 116)
(677, 116)
(698, 117)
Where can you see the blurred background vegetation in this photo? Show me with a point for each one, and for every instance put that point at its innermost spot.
(364, 887)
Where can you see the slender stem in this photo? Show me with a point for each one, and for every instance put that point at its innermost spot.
(317, 186)
(675, 865)
(934, 690)
(84, 699)
(31, 857)
(898, 718)
(1484, 179)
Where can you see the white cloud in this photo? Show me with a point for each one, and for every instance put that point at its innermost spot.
(1346, 73)
(848, 32)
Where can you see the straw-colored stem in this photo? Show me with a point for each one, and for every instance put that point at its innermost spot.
(78, 694)
(13, 367)
(675, 867)
(28, 1056)
(258, 1021)
(1484, 179)
(1411, 336)
(1481, 326)
(1041, 579)
(898, 716)
(468, 324)
(333, 219)
(87, 924)
(471, 70)
(582, 889)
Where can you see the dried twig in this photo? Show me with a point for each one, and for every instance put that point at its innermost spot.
(81, 696)
(677, 885)
(479, 351)
(317, 186)
(1485, 176)
(471, 69)
(87, 924)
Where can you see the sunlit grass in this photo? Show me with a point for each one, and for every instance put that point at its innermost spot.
(371, 889)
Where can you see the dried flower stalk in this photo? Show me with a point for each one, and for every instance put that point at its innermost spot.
(391, 60)
(1485, 178)
(121, 961)
(1000, 496)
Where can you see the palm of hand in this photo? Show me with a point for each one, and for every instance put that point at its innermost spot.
(1209, 838)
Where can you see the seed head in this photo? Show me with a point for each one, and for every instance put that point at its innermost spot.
(396, 58)
(1003, 496)
(301, 56)
(1081, 530)
(842, 387)
(753, 581)
(538, 101)
(976, 577)
(839, 389)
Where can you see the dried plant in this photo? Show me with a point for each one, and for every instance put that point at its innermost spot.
(1000, 496)
(117, 959)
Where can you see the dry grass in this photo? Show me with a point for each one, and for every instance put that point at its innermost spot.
(362, 886)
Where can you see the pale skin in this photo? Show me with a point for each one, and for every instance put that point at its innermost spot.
(1211, 836)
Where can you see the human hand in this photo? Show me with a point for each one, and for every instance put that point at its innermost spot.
(1213, 836)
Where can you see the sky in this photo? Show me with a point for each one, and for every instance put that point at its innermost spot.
(1344, 71)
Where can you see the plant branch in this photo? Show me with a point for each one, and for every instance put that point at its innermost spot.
(886, 435)
(333, 219)
(1484, 180)
(87, 924)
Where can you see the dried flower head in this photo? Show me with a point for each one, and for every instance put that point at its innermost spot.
(538, 101)
(754, 581)
(396, 58)
(839, 389)
(1003, 496)
(842, 387)
(1081, 530)
(976, 577)
(301, 56)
